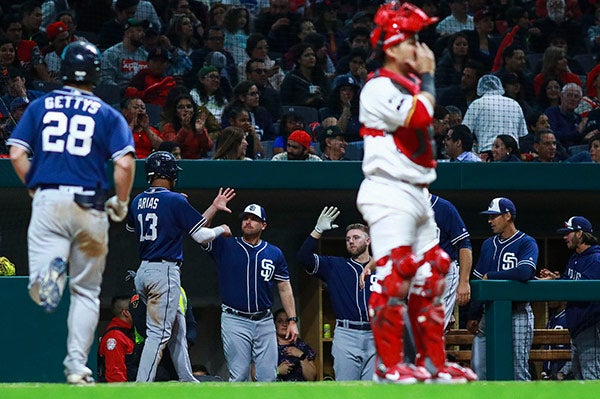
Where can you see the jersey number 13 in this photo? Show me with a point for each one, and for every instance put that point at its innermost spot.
(148, 226)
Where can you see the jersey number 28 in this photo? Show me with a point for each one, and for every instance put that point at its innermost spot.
(80, 129)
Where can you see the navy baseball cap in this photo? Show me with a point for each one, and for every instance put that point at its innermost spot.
(576, 223)
(500, 205)
(256, 210)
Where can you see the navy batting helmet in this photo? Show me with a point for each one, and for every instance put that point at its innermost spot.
(162, 164)
(80, 63)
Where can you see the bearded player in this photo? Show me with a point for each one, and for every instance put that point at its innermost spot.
(396, 110)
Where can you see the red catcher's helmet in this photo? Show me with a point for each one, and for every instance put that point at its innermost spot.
(395, 22)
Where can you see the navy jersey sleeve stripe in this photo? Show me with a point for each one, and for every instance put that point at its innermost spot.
(197, 226)
(461, 237)
(19, 143)
(123, 152)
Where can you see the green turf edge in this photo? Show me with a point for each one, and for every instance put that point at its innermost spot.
(329, 390)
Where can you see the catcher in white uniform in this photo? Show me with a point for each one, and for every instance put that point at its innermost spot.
(396, 111)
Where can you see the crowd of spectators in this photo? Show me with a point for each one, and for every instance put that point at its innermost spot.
(499, 64)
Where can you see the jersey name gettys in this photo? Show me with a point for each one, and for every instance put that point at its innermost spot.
(60, 102)
(148, 203)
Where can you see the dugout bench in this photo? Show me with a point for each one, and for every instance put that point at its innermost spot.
(460, 341)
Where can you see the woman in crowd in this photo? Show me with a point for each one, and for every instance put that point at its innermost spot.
(505, 149)
(295, 361)
(181, 34)
(554, 66)
(8, 58)
(207, 91)
(232, 145)
(448, 71)
(239, 117)
(549, 95)
(343, 105)
(305, 85)
(246, 95)
(184, 123)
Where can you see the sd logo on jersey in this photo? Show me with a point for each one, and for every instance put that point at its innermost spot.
(267, 269)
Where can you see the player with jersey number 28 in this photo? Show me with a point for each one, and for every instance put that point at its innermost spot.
(69, 134)
(396, 111)
(160, 217)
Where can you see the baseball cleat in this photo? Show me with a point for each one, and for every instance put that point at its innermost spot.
(52, 285)
(452, 373)
(78, 379)
(400, 374)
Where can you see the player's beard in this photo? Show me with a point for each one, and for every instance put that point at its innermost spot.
(573, 242)
(357, 251)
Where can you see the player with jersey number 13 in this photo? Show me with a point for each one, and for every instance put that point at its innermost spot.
(69, 134)
(160, 217)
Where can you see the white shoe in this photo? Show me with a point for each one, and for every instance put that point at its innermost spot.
(78, 379)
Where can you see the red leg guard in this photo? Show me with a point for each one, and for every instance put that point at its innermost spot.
(438, 259)
(427, 321)
(404, 261)
(387, 323)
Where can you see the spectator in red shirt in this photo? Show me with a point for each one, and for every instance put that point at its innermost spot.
(117, 342)
(184, 122)
(145, 137)
(151, 84)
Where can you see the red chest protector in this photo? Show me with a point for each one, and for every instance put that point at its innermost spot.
(413, 138)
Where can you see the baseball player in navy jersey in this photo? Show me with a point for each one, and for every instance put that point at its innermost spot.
(396, 112)
(353, 348)
(582, 318)
(69, 134)
(160, 218)
(248, 266)
(509, 255)
(454, 239)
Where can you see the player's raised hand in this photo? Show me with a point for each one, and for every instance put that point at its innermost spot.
(221, 200)
(326, 219)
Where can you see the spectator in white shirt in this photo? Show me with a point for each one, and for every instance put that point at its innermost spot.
(458, 19)
(494, 114)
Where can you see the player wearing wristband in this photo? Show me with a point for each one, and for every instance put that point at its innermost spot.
(160, 218)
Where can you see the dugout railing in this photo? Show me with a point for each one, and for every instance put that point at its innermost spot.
(499, 295)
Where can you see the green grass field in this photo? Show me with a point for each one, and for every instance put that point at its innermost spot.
(329, 390)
